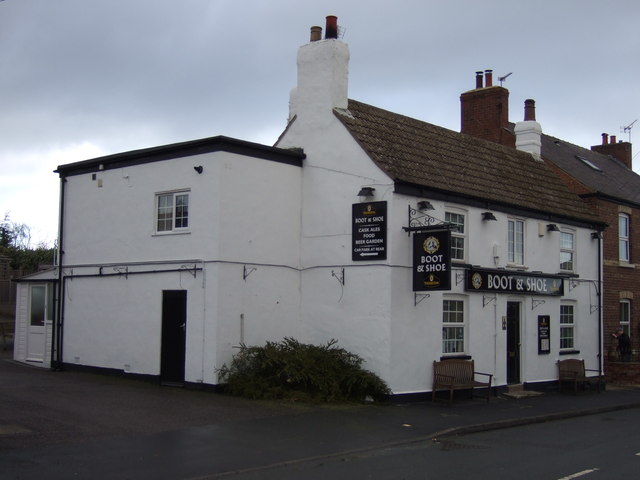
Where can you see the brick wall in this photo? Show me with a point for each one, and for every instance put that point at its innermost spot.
(623, 373)
(485, 114)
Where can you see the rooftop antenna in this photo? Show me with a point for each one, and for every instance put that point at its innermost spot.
(628, 128)
(504, 77)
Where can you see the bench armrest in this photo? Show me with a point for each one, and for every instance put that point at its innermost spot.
(592, 370)
(490, 375)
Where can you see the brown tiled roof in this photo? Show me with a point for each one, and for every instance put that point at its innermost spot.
(417, 153)
(610, 177)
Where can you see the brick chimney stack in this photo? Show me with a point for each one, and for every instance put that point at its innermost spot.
(619, 150)
(485, 111)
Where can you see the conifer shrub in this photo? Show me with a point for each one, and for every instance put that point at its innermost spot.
(292, 370)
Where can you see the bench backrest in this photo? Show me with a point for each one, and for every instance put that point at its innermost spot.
(458, 368)
(571, 366)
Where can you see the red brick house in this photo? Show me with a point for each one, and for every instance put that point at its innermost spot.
(604, 178)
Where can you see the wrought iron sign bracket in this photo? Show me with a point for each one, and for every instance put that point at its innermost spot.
(339, 275)
(487, 300)
(192, 269)
(459, 277)
(419, 297)
(420, 221)
(247, 271)
(122, 271)
(535, 303)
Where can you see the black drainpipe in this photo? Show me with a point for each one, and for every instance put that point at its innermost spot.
(56, 338)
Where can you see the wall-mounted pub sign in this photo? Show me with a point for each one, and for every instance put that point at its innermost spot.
(369, 231)
(503, 281)
(432, 260)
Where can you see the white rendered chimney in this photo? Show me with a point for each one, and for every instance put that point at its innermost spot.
(529, 132)
(322, 74)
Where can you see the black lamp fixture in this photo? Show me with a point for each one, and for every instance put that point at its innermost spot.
(425, 205)
(596, 235)
(198, 168)
(366, 192)
(552, 227)
(488, 216)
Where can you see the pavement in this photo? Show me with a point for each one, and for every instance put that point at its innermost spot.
(70, 424)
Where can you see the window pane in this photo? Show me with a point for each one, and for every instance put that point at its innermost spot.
(452, 339)
(182, 211)
(566, 240)
(165, 213)
(566, 260)
(623, 237)
(566, 326)
(516, 241)
(457, 248)
(37, 306)
(456, 219)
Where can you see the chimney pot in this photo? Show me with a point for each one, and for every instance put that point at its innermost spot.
(488, 78)
(479, 79)
(316, 34)
(605, 138)
(529, 110)
(332, 27)
(613, 139)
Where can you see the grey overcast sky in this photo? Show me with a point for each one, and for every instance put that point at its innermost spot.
(85, 78)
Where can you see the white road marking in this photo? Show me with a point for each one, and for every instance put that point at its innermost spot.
(579, 474)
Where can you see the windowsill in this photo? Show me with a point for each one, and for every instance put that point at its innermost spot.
(623, 264)
(516, 267)
(164, 234)
(458, 356)
(569, 352)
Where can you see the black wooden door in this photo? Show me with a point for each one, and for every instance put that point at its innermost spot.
(174, 327)
(513, 342)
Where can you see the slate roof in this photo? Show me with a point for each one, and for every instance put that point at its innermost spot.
(441, 161)
(613, 179)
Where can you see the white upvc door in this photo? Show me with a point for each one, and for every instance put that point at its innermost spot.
(40, 306)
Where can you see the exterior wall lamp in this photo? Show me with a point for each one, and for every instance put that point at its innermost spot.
(596, 235)
(425, 205)
(198, 169)
(488, 216)
(552, 227)
(366, 192)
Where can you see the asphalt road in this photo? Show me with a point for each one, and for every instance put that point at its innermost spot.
(605, 446)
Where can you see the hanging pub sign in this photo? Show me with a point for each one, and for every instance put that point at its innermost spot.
(544, 334)
(432, 260)
(503, 281)
(369, 231)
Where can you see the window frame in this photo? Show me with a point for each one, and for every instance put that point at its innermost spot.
(458, 341)
(625, 316)
(512, 242)
(570, 250)
(624, 254)
(567, 326)
(457, 234)
(177, 216)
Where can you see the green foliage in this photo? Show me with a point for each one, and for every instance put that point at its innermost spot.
(291, 370)
(15, 243)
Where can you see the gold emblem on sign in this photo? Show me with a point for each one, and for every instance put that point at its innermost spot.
(476, 280)
(431, 245)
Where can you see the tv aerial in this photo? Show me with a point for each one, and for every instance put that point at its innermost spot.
(504, 77)
(628, 128)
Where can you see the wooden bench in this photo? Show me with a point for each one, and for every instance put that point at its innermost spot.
(458, 374)
(6, 332)
(572, 371)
